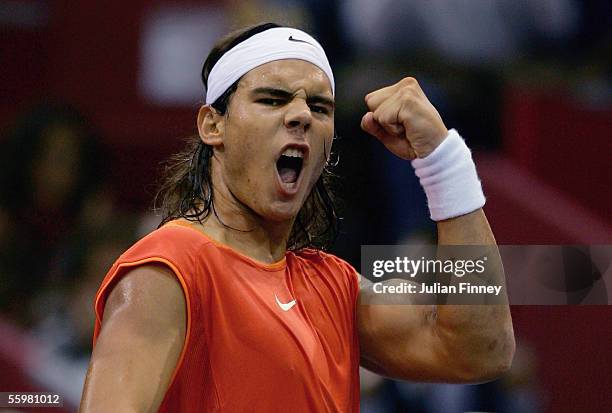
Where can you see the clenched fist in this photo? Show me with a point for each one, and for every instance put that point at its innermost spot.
(403, 119)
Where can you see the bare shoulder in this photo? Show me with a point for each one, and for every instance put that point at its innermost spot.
(138, 349)
(143, 292)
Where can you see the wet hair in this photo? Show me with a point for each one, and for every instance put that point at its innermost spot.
(186, 190)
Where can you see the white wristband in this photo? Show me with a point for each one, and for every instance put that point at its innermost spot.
(448, 176)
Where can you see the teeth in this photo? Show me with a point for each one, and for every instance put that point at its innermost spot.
(293, 152)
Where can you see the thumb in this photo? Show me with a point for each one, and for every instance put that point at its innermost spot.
(398, 145)
(371, 126)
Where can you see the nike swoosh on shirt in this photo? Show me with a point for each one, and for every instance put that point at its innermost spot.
(293, 39)
(284, 306)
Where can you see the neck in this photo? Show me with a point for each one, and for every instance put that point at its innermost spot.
(238, 227)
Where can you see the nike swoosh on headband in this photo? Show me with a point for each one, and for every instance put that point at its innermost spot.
(292, 39)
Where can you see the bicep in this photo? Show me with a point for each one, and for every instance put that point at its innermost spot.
(402, 340)
(140, 342)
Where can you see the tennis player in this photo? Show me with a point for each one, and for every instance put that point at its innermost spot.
(232, 305)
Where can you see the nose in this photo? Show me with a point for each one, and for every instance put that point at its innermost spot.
(298, 115)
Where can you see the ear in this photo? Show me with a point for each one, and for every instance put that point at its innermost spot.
(210, 126)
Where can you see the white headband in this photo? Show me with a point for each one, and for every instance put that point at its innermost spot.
(273, 44)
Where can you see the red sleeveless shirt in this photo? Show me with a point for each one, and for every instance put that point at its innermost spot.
(260, 337)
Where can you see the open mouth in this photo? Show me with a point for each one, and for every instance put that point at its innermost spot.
(289, 165)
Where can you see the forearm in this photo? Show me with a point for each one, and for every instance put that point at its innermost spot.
(481, 337)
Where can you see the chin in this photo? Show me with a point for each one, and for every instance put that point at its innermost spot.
(281, 211)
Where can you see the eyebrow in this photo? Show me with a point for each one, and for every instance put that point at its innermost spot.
(281, 93)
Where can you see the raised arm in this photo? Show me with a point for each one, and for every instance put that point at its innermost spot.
(447, 343)
(142, 336)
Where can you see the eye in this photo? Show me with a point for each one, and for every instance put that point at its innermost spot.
(271, 101)
(319, 109)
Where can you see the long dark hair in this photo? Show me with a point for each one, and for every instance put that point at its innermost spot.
(187, 192)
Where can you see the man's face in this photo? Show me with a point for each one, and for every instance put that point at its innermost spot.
(277, 135)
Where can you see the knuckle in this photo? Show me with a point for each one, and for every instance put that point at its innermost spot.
(407, 94)
(406, 99)
(380, 119)
(386, 119)
(405, 113)
(409, 81)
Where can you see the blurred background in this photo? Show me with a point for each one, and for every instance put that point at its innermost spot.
(94, 95)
